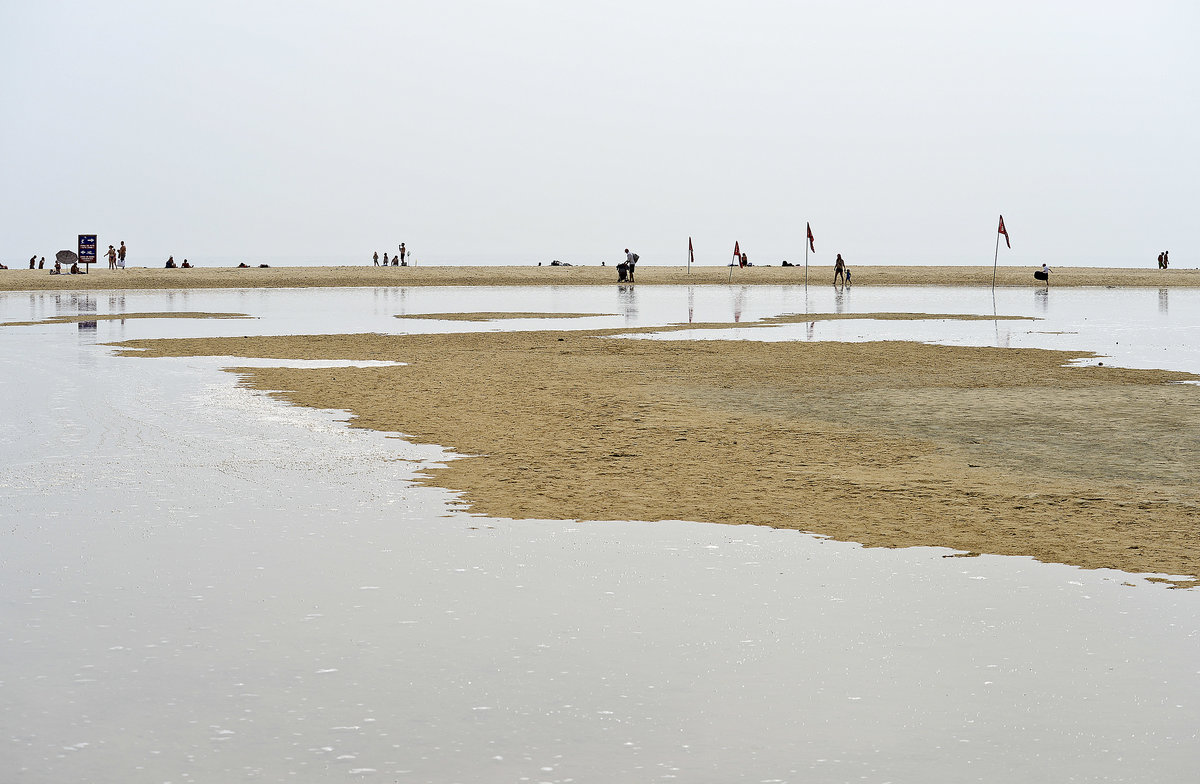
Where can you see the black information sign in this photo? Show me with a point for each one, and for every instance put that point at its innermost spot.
(87, 248)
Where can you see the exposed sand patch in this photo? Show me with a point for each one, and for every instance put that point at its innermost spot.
(886, 443)
(496, 316)
(166, 314)
(298, 277)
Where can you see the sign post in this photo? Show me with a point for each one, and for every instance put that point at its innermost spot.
(87, 250)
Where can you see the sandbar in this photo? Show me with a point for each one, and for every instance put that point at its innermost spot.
(892, 444)
(302, 277)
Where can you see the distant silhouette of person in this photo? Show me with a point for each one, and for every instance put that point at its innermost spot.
(121, 255)
(75, 268)
(403, 254)
(1162, 263)
(1166, 261)
(32, 261)
(839, 270)
(170, 263)
(376, 257)
(42, 262)
(112, 257)
(185, 265)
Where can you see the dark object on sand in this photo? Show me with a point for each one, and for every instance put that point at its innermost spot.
(625, 271)
(264, 266)
(66, 257)
(243, 265)
(557, 263)
(1041, 275)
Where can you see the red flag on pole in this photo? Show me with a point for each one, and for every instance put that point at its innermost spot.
(737, 254)
(810, 237)
(1004, 231)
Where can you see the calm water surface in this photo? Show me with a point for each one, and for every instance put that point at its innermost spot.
(202, 584)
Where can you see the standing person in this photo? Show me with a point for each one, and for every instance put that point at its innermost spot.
(1166, 261)
(32, 260)
(839, 270)
(1161, 265)
(121, 255)
(112, 257)
(403, 254)
(376, 257)
(42, 263)
(385, 259)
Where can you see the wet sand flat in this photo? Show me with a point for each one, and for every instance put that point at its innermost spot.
(891, 444)
(299, 277)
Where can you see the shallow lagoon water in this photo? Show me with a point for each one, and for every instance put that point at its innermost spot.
(203, 584)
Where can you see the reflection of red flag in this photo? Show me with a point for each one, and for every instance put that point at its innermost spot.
(1004, 231)
(691, 253)
(810, 237)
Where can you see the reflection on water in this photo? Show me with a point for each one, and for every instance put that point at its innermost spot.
(1163, 296)
(203, 584)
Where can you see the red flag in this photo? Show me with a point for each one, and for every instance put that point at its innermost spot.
(810, 239)
(691, 253)
(1004, 231)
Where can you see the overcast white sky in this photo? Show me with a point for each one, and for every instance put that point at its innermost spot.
(530, 131)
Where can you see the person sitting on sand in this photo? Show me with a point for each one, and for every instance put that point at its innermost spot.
(839, 270)
(185, 264)
(75, 268)
(3, 266)
(244, 265)
(170, 263)
(56, 269)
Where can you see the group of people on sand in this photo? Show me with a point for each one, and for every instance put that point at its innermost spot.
(399, 260)
(116, 256)
(172, 265)
(1163, 261)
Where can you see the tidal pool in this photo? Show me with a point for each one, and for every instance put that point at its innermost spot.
(203, 584)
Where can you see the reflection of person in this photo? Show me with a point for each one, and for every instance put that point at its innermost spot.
(839, 269)
(121, 255)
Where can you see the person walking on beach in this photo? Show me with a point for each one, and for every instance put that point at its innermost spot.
(839, 270)
(385, 259)
(1166, 261)
(42, 263)
(376, 258)
(1161, 262)
(112, 257)
(121, 255)
(403, 253)
(32, 261)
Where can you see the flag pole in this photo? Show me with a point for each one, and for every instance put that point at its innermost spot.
(806, 264)
(995, 257)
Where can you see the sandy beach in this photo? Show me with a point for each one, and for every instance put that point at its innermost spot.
(890, 444)
(293, 277)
